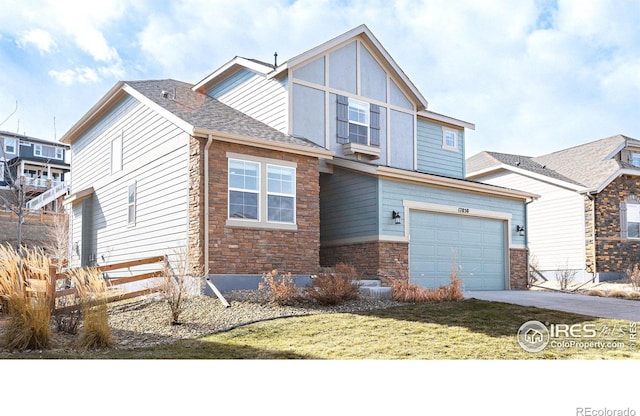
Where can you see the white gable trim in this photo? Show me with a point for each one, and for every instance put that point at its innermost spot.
(188, 128)
(232, 66)
(373, 45)
(616, 175)
(477, 175)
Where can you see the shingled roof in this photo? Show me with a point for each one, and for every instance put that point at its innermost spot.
(588, 165)
(206, 113)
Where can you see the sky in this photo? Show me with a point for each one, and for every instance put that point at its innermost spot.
(534, 76)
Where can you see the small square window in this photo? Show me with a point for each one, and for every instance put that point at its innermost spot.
(450, 139)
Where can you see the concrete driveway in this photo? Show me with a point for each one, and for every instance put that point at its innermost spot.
(568, 302)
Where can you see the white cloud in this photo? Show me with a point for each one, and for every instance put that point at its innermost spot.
(78, 75)
(39, 38)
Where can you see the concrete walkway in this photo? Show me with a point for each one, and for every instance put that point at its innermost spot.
(568, 302)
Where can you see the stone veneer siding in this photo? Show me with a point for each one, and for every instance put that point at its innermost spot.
(195, 252)
(613, 254)
(240, 250)
(518, 268)
(385, 259)
(374, 260)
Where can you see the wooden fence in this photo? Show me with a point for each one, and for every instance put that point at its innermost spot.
(49, 285)
(38, 216)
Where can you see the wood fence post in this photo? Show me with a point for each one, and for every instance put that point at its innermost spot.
(51, 287)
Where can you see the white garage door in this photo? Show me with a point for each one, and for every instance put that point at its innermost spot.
(475, 246)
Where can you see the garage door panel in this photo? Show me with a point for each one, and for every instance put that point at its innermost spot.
(476, 244)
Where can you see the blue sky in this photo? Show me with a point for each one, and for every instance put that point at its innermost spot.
(533, 76)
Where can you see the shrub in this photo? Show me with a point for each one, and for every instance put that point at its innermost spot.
(595, 292)
(178, 286)
(618, 294)
(404, 291)
(92, 290)
(565, 277)
(23, 288)
(335, 288)
(280, 287)
(634, 276)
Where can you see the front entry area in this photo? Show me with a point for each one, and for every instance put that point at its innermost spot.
(475, 247)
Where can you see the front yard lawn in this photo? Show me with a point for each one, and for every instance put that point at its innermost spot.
(470, 329)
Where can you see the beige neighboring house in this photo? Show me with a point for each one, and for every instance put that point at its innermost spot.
(587, 219)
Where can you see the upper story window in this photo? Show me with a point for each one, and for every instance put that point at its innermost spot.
(358, 122)
(10, 146)
(635, 159)
(262, 192)
(131, 204)
(450, 139)
(49, 152)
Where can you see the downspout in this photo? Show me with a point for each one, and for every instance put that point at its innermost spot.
(592, 199)
(526, 240)
(206, 221)
(206, 203)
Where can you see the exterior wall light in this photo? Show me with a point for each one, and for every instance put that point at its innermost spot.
(396, 216)
(520, 230)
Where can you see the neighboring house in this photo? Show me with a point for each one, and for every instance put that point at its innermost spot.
(39, 165)
(331, 156)
(587, 219)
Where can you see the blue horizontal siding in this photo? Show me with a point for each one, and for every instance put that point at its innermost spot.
(432, 158)
(348, 205)
(393, 193)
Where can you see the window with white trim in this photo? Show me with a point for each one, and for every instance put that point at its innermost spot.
(59, 153)
(131, 204)
(116, 154)
(358, 122)
(244, 189)
(281, 194)
(450, 139)
(262, 192)
(10, 146)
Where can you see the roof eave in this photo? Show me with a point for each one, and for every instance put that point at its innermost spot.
(446, 119)
(319, 153)
(434, 180)
(103, 105)
(232, 66)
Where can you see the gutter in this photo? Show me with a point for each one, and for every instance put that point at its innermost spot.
(206, 221)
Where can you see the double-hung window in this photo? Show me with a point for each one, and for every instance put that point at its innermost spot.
(10, 146)
(635, 159)
(281, 194)
(244, 189)
(59, 153)
(262, 192)
(358, 122)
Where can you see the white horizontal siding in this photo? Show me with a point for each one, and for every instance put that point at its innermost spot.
(253, 94)
(556, 222)
(155, 157)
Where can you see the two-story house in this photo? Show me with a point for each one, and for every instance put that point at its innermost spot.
(587, 219)
(330, 156)
(38, 165)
